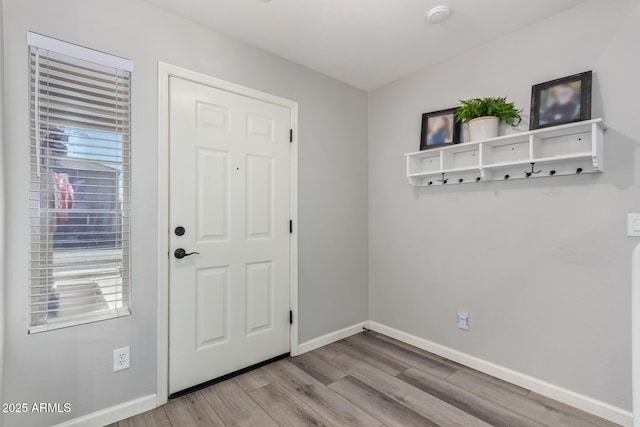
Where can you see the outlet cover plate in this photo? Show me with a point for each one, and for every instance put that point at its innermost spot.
(121, 359)
(463, 320)
(633, 225)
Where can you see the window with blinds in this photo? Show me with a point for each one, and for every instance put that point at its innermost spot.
(80, 185)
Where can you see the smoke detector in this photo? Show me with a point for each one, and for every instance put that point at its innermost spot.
(438, 14)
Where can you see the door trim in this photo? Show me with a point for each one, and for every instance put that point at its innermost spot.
(165, 71)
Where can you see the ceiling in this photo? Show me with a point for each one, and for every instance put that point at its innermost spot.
(366, 43)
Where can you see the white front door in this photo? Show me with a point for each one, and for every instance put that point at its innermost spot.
(230, 194)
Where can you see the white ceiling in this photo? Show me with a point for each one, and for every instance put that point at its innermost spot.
(366, 43)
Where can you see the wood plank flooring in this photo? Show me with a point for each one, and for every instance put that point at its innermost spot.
(367, 380)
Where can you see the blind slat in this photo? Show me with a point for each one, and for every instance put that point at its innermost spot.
(49, 65)
(54, 59)
(80, 189)
(74, 105)
(52, 84)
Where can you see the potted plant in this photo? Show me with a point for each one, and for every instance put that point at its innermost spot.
(484, 116)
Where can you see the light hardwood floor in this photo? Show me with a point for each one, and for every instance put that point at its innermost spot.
(365, 380)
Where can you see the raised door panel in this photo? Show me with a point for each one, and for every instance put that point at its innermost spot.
(260, 195)
(212, 117)
(212, 182)
(259, 128)
(259, 285)
(212, 306)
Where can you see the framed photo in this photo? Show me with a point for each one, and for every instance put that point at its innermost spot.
(439, 128)
(561, 101)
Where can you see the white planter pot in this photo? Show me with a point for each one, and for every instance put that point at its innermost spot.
(483, 128)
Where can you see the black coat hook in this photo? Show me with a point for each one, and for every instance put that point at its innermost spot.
(442, 180)
(506, 177)
(578, 171)
(552, 173)
(460, 181)
(478, 179)
(532, 172)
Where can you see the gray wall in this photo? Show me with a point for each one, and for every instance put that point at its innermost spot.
(74, 365)
(542, 266)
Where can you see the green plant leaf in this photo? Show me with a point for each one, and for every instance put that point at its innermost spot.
(482, 107)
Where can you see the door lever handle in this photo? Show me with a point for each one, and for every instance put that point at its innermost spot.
(181, 253)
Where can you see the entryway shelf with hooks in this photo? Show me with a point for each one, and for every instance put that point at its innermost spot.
(569, 149)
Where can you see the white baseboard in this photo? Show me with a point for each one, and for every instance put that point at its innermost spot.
(114, 413)
(331, 337)
(588, 404)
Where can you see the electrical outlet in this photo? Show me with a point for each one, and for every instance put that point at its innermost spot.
(121, 359)
(633, 225)
(463, 320)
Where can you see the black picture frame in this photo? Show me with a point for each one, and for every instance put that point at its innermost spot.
(561, 101)
(448, 135)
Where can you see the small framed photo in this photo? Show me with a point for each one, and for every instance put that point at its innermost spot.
(439, 128)
(561, 101)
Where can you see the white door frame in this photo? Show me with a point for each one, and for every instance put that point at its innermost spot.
(165, 71)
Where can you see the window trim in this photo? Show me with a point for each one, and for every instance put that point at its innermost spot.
(100, 59)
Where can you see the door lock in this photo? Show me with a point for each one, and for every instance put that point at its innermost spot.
(181, 253)
(179, 231)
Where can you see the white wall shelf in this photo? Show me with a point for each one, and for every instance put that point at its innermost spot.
(570, 149)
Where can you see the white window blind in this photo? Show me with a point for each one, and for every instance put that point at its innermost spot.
(80, 185)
